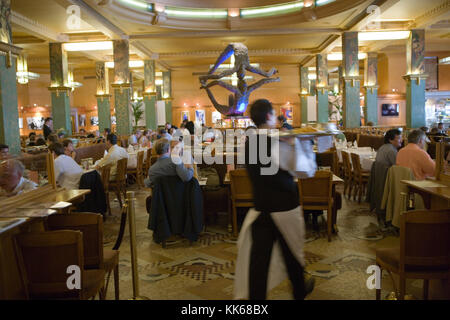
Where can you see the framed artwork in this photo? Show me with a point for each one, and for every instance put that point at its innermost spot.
(200, 116)
(35, 123)
(286, 111)
(20, 123)
(94, 121)
(431, 69)
(216, 115)
(184, 115)
(113, 120)
(82, 120)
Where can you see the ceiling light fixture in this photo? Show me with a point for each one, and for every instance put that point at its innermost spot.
(382, 35)
(131, 64)
(336, 56)
(139, 4)
(196, 13)
(269, 10)
(88, 46)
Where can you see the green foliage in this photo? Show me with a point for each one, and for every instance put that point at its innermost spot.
(137, 108)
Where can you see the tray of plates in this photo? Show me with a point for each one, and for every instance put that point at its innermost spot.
(307, 132)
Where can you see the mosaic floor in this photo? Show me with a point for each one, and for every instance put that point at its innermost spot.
(205, 270)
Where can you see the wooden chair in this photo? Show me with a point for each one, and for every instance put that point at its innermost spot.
(316, 194)
(120, 184)
(138, 172)
(44, 258)
(147, 163)
(360, 177)
(424, 251)
(348, 174)
(95, 257)
(241, 193)
(105, 173)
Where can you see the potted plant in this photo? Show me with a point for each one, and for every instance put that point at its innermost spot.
(138, 111)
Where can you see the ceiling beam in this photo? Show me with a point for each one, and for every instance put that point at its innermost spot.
(228, 33)
(36, 29)
(99, 22)
(432, 16)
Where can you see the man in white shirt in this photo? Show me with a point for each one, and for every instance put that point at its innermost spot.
(115, 153)
(67, 171)
(12, 181)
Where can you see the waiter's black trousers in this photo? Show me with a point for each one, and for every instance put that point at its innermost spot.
(264, 235)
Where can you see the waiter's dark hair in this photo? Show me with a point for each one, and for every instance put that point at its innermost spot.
(259, 110)
(390, 135)
(112, 138)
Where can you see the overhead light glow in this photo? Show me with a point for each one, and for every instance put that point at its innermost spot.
(323, 2)
(139, 4)
(88, 46)
(383, 35)
(312, 76)
(131, 64)
(268, 10)
(336, 56)
(195, 13)
(158, 82)
(445, 60)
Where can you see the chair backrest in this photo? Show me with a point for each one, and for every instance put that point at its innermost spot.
(105, 173)
(140, 161)
(425, 238)
(356, 161)
(241, 186)
(346, 162)
(148, 158)
(121, 174)
(91, 225)
(316, 190)
(44, 258)
(327, 159)
(153, 160)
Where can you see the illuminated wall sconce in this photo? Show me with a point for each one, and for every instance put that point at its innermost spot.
(233, 12)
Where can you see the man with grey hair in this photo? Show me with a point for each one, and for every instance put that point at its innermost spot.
(164, 166)
(134, 138)
(415, 157)
(12, 181)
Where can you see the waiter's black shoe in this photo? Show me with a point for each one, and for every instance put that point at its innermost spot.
(309, 285)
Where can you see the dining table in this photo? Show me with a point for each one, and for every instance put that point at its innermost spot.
(132, 157)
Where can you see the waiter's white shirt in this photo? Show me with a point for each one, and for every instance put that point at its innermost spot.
(297, 161)
(67, 172)
(115, 153)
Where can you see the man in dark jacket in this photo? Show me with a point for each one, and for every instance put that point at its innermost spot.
(48, 125)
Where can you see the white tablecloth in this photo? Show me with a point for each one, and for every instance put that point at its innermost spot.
(132, 158)
(366, 163)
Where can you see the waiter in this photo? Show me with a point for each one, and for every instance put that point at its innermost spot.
(48, 125)
(275, 195)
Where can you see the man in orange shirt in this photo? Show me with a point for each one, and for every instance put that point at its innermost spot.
(414, 156)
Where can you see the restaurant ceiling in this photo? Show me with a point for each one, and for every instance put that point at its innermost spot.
(284, 40)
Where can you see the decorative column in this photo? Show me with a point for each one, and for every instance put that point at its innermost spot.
(371, 88)
(322, 88)
(9, 114)
(415, 79)
(150, 94)
(167, 95)
(103, 96)
(350, 78)
(304, 92)
(121, 85)
(59, 88)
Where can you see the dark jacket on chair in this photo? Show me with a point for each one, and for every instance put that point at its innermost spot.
(176, 209)
(95, 201)
(375, 188)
